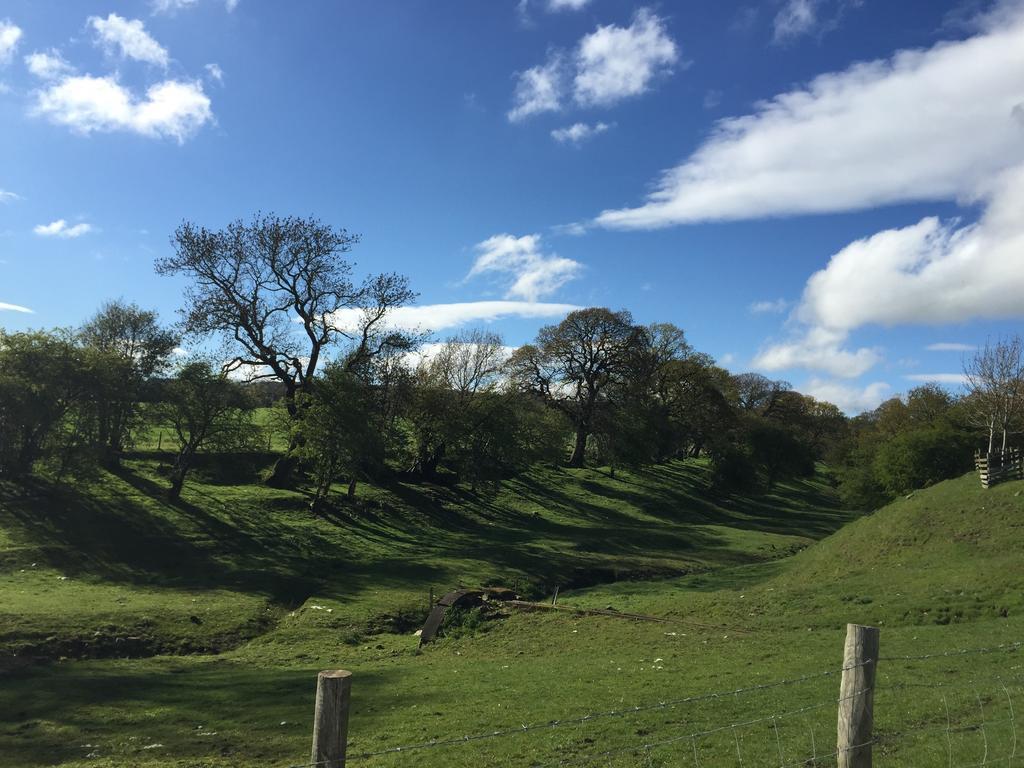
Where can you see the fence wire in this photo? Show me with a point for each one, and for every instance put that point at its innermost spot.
(692, 738)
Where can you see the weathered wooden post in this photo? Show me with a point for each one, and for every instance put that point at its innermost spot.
(856, 697)
(330, 719)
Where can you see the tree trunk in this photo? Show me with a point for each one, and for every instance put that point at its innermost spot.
(580, 449)
(284, 468)
(177, 481)
(352, 488)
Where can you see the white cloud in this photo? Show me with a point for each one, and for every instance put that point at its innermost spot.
(950, 346)
(48, 65)
(426, 352)
(927, 273)
(129, 38)
(818, 349)
(567, 5)
(938, 378)
(215, 72)
(171, 108)
(578, 132)
(4, 306)
(230, 5)
(851, 400)
(7, 197)
(171, 6)
(776, 307)
(614, 63)
(60, 228)
(538, 89)
(931, 124)
(10, 34)
(795, 18)
(535, 273)
(438, 317)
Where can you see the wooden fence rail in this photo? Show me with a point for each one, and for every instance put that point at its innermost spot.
(999, 466)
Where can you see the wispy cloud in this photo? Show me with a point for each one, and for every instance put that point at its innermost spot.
(776, 307)
(215, 72)
(439, 317)
(60, 228)
(5, 307)
(129, 39)
(937, 378)
(534, 273)
(795, 18)
(538, 89)
(48, 65)
(950, 346)
(578, 132)
(8, 197)
(567, 5)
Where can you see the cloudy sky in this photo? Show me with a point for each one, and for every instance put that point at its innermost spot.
(826, 191)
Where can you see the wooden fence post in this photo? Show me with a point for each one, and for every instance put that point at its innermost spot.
(856, 697)
(330, 719)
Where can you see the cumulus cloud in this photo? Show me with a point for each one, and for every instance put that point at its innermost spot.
(950, 346)
(931, 272)
(776, 307)
(937, 378)
(850, 399)
(60, 228)
(932, 124)
(614, 63)
(129, 39)
(48, 65)
(85, 103)
(538, 89)
(10, 35)
(818, 349)
(439, 317)
(534, 273)
(578, 132)
(5, 307)
(609, 64)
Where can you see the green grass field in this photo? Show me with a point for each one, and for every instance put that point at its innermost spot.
(134, 632)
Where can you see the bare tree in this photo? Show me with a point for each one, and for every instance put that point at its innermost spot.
(281, 291)
(470, 362)
(994, 380)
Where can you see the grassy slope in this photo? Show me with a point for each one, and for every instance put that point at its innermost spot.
(937, 571)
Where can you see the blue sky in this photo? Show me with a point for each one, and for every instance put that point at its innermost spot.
(817, 189)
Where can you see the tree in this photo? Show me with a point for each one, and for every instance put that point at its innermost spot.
(42, 377)
(281, 291)
(758, 394)
(129, 348)
(342, 435)
(994, 379)
(206, 411)
(573, 365)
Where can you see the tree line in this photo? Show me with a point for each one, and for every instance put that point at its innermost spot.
(273, 299)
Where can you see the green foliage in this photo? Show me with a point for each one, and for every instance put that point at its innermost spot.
(42, 378)
(922, 457)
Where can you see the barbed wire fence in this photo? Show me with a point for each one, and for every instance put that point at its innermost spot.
(921, 721)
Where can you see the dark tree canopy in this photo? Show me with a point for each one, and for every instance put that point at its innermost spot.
(576, 363)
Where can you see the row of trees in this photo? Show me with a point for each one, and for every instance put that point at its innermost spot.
(358, 398)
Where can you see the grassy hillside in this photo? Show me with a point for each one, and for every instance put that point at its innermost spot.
(281, 595)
